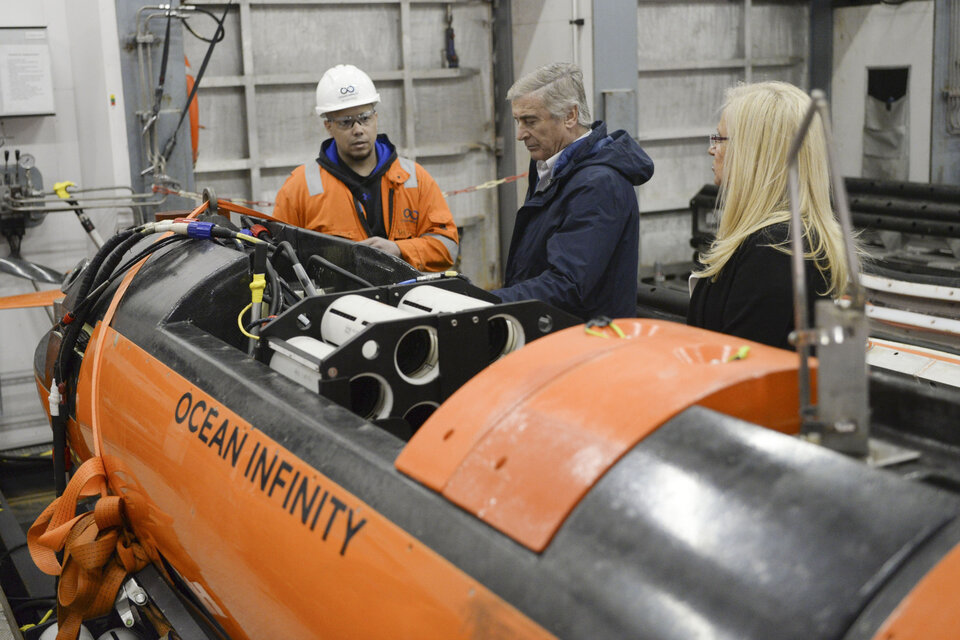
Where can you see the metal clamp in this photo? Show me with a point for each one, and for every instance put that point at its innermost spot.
(211, 198)
(130, 596)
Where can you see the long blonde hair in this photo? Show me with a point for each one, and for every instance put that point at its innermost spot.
(761, 120)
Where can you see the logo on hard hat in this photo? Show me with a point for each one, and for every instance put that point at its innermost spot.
(345, 90)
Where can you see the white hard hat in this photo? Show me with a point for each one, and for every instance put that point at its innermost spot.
(344, 86)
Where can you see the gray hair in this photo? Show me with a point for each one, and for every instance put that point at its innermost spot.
(560, 86)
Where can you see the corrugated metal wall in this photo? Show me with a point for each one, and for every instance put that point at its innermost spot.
(689, 53)
(257, 99)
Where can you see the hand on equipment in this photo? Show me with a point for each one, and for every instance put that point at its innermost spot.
(382, 244)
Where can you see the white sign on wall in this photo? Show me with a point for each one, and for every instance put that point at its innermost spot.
(26, 82)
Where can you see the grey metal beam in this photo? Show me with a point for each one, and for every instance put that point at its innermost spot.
(821, 45)
(409, 99)
(503, 117)
(669, 66)
(615, 79)
(180, 165)
(944, 146)
(250, 97)
(211, 82)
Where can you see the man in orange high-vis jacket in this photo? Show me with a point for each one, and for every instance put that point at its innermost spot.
(360, 189)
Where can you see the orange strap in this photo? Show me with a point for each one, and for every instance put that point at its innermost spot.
(99, 551)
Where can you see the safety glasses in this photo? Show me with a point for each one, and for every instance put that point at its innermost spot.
(345, 123)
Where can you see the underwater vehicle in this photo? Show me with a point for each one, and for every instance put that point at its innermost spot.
(383, 453)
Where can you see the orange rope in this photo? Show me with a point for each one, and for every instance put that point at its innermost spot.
(265, 203)
(99, 551)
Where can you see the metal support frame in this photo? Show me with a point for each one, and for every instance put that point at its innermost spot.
(409, 101)
(747, 63)
(137, 95)
(249, 95)
(820, 62)
(503, 116)
(841, 420)
(944, 146)
(250, 80)
(614, 80)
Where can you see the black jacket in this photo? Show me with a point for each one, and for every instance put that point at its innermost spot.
(576, 243)
(752, 296)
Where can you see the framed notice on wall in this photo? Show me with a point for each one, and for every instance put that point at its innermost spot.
(26, 82)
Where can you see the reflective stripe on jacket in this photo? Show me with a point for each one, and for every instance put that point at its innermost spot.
(414, 211)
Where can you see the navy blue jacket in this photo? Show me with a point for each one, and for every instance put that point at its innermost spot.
(576, 244)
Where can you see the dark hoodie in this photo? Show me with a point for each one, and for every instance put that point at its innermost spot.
(367, 199)
(576, 244)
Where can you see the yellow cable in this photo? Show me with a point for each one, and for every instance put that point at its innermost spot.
(741, 353)
(42, 620)
(240, 323)
(257, 285)
(600, 334)
(616, 329)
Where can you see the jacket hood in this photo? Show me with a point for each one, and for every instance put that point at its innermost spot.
(617, 150)
(384, 149)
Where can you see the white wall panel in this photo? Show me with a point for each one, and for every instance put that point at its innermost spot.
(257, 103)
(689, 31)
(882, 36)
(84, 142)
(542, 34)
(683, 100)
(312, 38)
(779, 30)
(690, 52)
(222, 111)
(681, 169)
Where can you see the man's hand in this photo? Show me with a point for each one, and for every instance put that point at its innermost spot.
(383, 245)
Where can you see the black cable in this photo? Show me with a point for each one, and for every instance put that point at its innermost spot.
(25, 460)
(90, 273)
(298, 271)
(71, 333)
(104, 261)
(110, 272)
(346, 274)
(31, 603)
(217, 37)
(158, 94)
(258, 322)
(110, 264)
(276, 296)
(153, 248)
(197, 35)
(81, 310)
(290, 296)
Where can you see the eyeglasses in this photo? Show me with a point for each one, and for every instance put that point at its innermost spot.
(345, 123)
(716, 138)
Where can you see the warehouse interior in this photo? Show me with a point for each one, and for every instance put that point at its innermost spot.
(546, 489)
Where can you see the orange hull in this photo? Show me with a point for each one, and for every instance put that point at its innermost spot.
(582, 486)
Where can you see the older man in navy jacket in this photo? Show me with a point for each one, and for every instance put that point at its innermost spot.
(576, 242)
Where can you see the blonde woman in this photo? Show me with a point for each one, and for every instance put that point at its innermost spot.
(743, 284)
